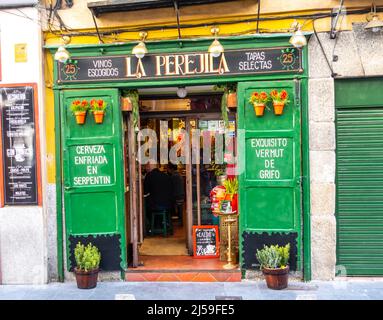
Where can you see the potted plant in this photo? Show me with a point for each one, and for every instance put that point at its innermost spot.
(134, 98)
(231, 186)
(87, 265)
(259, 99)
(98, 109)
(79, 109)
(219, 172)
(231, 95)
(274, 265)
(279, 100)
(229, 100)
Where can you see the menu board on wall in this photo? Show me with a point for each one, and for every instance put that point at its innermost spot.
(19, 145)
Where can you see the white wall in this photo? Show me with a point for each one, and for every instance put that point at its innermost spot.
(23, 256)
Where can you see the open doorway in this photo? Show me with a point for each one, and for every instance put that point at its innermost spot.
(163, 228)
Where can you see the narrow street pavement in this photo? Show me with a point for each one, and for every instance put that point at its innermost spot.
(358, 289)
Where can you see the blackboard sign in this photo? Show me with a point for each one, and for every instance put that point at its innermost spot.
(205, 241)
(181, 65)
(19, 145)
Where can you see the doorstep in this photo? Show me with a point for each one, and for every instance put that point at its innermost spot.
(182, 269)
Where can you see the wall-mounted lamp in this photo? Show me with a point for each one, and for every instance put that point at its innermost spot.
(216, 48)
(374, 23)
(298, 40)
(140, 49)
(62, 54)
(181, 92)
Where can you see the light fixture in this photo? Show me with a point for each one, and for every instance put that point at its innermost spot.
(216, 48)
(62, 54)
(374, 23)
(298, 40)
(140, 49)
(181, 92)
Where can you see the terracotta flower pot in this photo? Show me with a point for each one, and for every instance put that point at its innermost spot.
(86, 279)
(232, 100)
(80, 117)
(278, 108)
(98, 116)
(276, 279)
(259, 109)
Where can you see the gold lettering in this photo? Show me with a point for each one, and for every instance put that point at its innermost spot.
(211, 65)
(207, 64)
(187, 62)
(179, 62)
(223, 67)
(160, 62)
(167, 65)
(129, 67)
(202, 63)
(140, 71)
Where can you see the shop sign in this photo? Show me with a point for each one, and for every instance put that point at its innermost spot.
(19, 149)
(91, 165)
(181, 65)
(271, 157)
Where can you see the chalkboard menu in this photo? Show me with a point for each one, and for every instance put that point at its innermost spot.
(19, 149)
(205, 241)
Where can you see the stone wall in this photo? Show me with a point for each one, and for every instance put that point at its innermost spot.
(356, 53)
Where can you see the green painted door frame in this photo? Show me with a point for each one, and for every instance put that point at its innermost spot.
(93, 177)
(195, 45)
(270, 178)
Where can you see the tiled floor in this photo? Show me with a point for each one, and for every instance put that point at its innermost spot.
(182, 268)
(179, 263)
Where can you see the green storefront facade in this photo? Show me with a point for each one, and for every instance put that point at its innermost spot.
(273, 150)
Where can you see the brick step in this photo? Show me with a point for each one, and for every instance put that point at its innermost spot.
(183, 275)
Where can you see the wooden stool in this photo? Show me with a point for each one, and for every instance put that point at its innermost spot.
(163, 214)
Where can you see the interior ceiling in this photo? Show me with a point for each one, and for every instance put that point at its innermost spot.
(99, 7)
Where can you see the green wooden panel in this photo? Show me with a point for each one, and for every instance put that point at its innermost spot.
(357, 93)
(359, 183)
(93, 170)
(270, 151)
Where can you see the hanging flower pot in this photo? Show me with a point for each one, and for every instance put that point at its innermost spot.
(98, 108)
(259, 109)
(280, 99)
(259, 102)
(278, 108)
(79, 109)
(80, 117)
(232, 100)
(98, 116)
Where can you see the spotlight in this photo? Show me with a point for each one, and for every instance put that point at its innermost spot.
(140, 49)
(374, 23)
(181, 92)
(62, 54)
(298, 40)
(216, 48)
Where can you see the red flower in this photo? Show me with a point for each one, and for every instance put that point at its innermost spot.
(274, 93)
(263, 95)
(76, 102)
(283, 95)
(100, 103)
(256, 95)
(84, 103)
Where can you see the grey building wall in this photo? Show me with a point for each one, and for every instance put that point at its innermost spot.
(358, 53)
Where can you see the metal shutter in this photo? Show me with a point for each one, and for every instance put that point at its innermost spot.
(360, 189)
